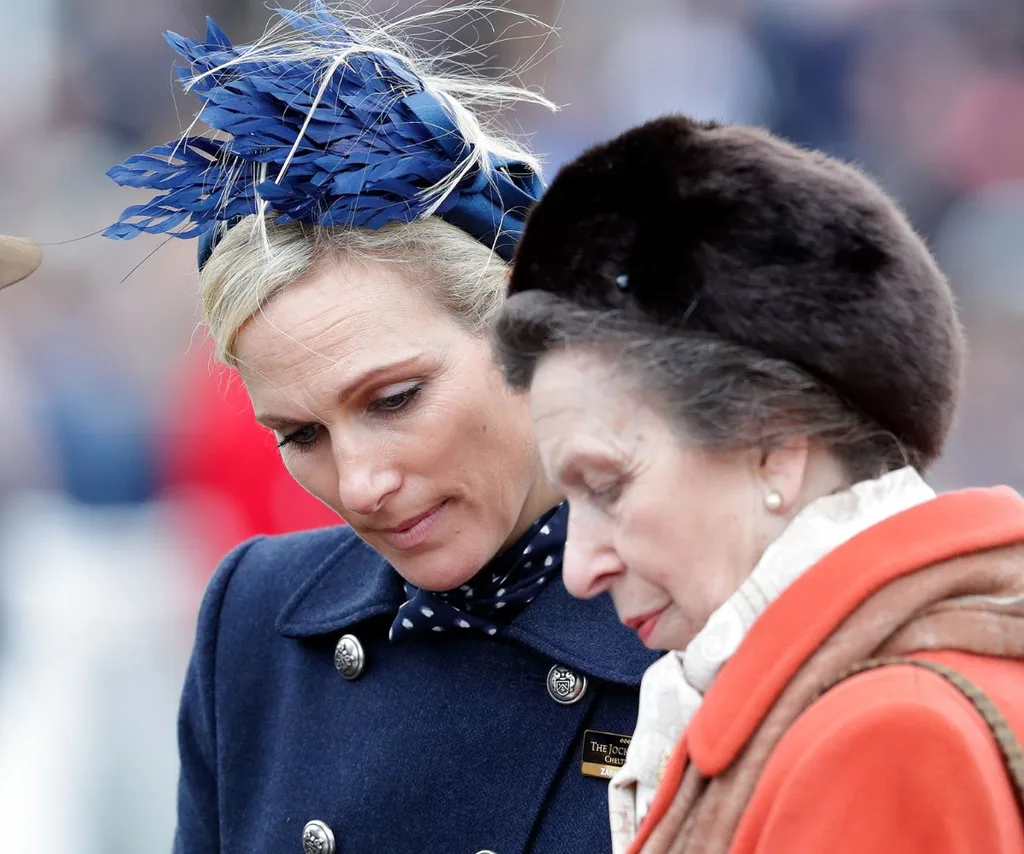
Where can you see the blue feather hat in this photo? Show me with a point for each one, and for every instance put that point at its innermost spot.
(347, 134)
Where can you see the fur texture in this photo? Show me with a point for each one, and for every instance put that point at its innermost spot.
(729, 231)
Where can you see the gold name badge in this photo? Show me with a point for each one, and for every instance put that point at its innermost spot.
(603, 753)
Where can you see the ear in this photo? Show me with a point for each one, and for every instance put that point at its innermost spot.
(784, 468)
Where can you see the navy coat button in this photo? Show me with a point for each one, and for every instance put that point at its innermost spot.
(317, 838)
(349, 657)
(565, 686)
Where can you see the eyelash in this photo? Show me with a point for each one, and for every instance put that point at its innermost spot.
(386, 407)
(400, 400)
(300, 444)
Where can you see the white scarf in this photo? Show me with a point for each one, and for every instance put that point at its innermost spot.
(674, 686)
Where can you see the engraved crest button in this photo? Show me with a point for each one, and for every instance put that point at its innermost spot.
(317, 838)
(566, 686)
(349, 657)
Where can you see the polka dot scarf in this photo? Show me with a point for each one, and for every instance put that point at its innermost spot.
(496, 594)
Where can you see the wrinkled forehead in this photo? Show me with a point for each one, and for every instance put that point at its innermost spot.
(578, 395)
(348, 317)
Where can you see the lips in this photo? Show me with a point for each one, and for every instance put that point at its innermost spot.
(414, 531)
(645, 624)
(412, 522)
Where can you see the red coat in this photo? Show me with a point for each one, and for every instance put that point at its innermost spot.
(227, 467)
(892, 761)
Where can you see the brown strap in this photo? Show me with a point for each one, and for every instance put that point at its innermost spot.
(1006, 741)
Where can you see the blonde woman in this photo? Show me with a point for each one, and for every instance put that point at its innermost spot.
(418, 680)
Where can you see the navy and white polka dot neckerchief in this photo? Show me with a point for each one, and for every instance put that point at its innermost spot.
(496, 594)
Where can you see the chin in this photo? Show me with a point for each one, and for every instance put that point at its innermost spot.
(676, 632)
(440, 570)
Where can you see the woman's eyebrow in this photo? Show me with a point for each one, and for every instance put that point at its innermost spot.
(353, 384)
(349, 387)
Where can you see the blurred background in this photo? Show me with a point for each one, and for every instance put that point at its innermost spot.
(131, 464)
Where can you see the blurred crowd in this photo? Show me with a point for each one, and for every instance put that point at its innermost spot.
(132, 463)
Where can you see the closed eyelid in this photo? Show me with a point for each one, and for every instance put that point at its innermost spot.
(396, 388)
(571, 470)
(395, 401)
(297, 438)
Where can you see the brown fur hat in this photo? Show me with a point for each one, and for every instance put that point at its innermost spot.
(731, 232)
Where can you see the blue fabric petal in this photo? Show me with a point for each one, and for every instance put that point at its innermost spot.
(215, 35)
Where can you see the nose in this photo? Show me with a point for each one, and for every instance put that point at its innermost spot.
(366, 477)
(590, 564)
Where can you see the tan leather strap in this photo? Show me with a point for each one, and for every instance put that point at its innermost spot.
(1009, 747)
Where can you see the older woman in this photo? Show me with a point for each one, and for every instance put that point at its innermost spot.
(740, 359)
(418, 680)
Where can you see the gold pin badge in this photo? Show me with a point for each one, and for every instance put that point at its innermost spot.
(604, 753)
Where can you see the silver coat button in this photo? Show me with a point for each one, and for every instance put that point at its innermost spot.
(317, 838)
(349, 657)
(565, 686)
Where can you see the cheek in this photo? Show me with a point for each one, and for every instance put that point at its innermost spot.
(314, 471)
(442, 443)
(488, 430)
(652, 533)
(690, 542)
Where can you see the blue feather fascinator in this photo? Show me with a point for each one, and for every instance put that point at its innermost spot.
(324, 129)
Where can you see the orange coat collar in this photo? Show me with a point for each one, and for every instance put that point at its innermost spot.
(800, 620)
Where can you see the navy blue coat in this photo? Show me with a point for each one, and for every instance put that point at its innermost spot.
(446, 743)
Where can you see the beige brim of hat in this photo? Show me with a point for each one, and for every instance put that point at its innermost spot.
(19, 257)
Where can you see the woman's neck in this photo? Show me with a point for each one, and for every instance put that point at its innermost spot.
(823, 475)
(540, 498)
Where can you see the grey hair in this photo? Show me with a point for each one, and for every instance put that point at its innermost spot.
(720, 394)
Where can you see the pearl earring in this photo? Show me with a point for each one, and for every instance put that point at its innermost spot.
(773, 501)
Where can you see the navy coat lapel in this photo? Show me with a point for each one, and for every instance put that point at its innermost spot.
(353, 583)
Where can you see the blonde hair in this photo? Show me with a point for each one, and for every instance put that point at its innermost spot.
(256, 259)
(465, 277)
